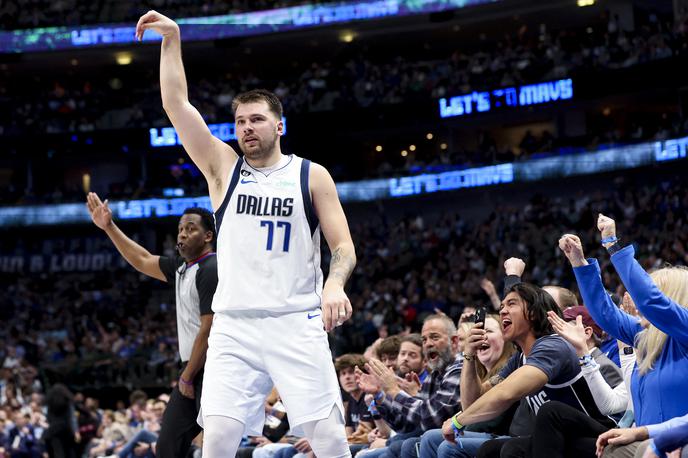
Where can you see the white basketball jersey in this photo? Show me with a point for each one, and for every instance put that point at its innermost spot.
(268, 241)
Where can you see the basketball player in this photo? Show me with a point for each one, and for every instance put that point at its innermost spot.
(194, 276)
(270, 299)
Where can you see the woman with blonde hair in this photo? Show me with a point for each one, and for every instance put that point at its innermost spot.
(659, 380)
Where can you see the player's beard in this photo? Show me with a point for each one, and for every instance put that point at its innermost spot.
(263, 151)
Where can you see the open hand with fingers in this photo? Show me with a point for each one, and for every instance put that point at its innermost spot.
(573, 249)
(386, 378)
(366, 382)
(100, 212)
(620, 436)
(574, 333)
(410, 383)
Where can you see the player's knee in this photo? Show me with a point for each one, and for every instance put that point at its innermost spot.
(221, 435)
(214, 436)
(330, 440)
(334, 449)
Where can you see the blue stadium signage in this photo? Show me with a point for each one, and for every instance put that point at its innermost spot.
(670, 150)
(167, 136)
(448, 181)
(228, 25)
(555, 166)
(517, 96)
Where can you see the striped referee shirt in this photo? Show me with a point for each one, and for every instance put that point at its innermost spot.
(194, 285)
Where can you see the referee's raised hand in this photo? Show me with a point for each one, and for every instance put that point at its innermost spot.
(100, 212)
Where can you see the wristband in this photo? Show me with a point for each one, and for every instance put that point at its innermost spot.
(372, 408)
(468, 357)
(585, 360)
(458, 427)
(612, 239)
(614, 248)
(379, 396)
(185, 382)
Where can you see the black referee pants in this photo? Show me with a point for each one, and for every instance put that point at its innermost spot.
(561, 431)
(179, 426)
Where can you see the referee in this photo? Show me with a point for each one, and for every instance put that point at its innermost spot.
(194, 275)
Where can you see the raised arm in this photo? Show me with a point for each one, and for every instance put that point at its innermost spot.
(513, 268)
(491, 292)
(523, 381)
(335, 304)
(139, 258)
(615, 322)
(211, 155)
(668, 316)
(471, 386)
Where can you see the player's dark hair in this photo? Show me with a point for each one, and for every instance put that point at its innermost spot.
(259, 95)
(538, 303)
(207, 219)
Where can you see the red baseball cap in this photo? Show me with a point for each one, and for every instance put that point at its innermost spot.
(571, 313)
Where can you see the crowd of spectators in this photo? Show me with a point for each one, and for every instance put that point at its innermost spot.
(115, 327)
(127, 429)
(79, 103)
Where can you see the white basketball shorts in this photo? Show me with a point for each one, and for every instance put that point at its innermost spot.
(248, 351)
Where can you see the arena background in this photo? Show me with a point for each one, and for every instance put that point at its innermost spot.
(460, 133)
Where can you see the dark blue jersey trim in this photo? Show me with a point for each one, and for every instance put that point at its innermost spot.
(220, 213)
(306, 194)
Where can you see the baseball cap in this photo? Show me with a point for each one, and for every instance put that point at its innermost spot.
(571, 313)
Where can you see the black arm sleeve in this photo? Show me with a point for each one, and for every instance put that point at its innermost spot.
(169, 266)
(509, 281)
(206, 283)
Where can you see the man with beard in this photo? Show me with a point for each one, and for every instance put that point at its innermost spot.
(410, 359)
(194, 276)
(410, 415)
(270, 304)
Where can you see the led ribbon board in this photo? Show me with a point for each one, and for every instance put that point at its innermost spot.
(167, 136)
(227, 26)
(517, 96)
(618, 158)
